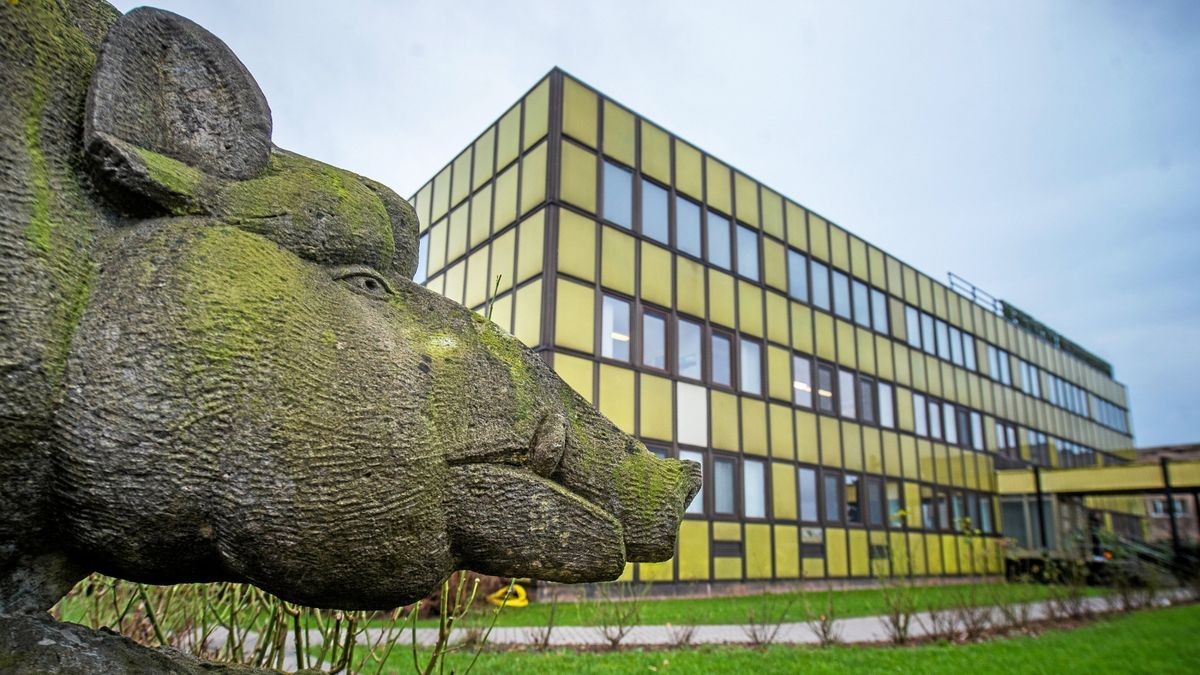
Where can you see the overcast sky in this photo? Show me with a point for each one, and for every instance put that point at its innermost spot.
(1048, 152)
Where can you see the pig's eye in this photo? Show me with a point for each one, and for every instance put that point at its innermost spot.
(366, 283)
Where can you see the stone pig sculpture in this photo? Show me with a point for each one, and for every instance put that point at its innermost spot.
(214, 364)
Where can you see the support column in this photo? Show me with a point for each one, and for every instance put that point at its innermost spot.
(1166, 477)
(1041, 510)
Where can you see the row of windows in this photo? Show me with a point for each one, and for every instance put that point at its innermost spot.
(1110, 415)
(815, 385)
(736, 487)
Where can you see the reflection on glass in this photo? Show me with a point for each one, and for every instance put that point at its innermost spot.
(687, 226)
(797, 276)
(654, 340)
(808, 495)
(846, 393)
(618, 195)
(688, 350)
(751, 367)
(820, 285)
(754, 495)
(801, 381)
(862, 304)
(887, 417)
(919, 426)
(614, 336)
(722, 359)
(853, 499)
(697, 505)
(841, 295)
(718, 240)
(825, 389)
(723, 501)
(833, 501)
(879, 314)
(912, 324)
(747, 252)
(654, 212)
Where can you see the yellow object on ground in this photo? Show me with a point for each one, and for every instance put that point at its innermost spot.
(518, 598)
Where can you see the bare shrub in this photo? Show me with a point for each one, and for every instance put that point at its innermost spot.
(681, 635)
(821, 618)
(764, 621)
(539, 637)
(900, 602)
(618, 609)
(938, 622)
(971, 613)
(1015, 615)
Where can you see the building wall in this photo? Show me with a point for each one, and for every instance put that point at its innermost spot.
(632, 241)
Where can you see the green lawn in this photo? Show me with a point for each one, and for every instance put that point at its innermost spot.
(734, 610)
(1159, 641)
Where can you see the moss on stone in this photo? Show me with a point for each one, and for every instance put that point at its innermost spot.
(171, 173)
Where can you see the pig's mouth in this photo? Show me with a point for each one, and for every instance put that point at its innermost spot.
(515, 521)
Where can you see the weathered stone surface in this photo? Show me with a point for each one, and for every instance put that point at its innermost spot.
(33, 645)
(214, 364)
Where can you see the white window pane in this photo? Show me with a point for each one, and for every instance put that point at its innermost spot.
(615, 333)
(808, 495)
(846, 393)
(919, 425)
(754, 489)
(887, 418)
(751, 367)
(692, 414)
(801, 381)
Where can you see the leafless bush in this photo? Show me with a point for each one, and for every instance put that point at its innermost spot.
(822, 619)
(539, 637)
(971, 612)
(1016, 615)
(901, 603)
(938, 622)
(618, 609)
(1068, 590)
(682, 635)
(764, 621)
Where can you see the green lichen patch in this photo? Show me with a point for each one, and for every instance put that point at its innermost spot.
(171, 174)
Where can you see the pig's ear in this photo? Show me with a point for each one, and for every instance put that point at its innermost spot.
(170, 106)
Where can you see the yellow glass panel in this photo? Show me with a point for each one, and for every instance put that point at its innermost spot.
(727, 568)
(845, 341)
(531, 243)
(537, 113)
(481, 216)
(576, 245)
(461, 176)
(933, 553)
(485, 154)
(656, 274)
(911, 294)
(797, 226)
(456, 244)
(754, 427)
(689, 279)
(578, 178)
(779, 373)
(777, 318)
(505, 210)
(750, 312)
(503, 257)
(727, 531)
(527, 314)
(655, 404)
(783, 443)
(533, 179)
(949, 554)
(774, 264)
(758, 551)
(852, 446)
(720, 298)
(883, 358)
(421, 203)
(898, 554)
(813, 568)
(579, 112)
(891, 454)
(717, 184)
(576, 372)
(441, 194)
(455, 278)
(616, 260)
(693, 549)
(509, 143)
(437, 284)
(687, 170)
(656, 153)
(896, 311)
(831, 443)
(502, 312)
(783, 490)
(866, 351)
(787, 552)
(818, 236)
(908, 456)
(807, 448)
(724, 420)
(903, 375)
(839, 255)
(618, 133)
(662, 571)
(825, 336)
(904, 405)
(802, 327)
(437, 247)
(878, 277)
(574, 316)
(477, 279)
(835, 552)
(772, 213)
(872, 450)
(858, 258)
(616, 396)
(860, 563)
(746, 199)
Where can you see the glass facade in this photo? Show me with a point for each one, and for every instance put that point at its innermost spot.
(846, 408)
